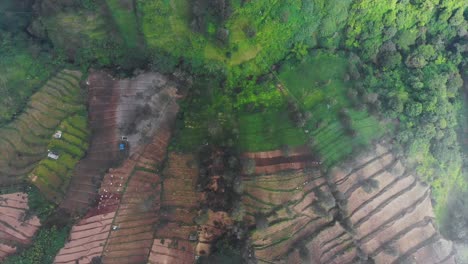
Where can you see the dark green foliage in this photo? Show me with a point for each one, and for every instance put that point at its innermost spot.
(15, 14)
(455, 220)
(38, 204)
(45, 246)
(227, 251)
(24, 66)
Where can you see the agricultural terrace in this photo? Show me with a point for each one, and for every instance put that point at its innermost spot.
(179, 207)
(53, 176)
(25, 141)
(389, 209)
(286, 207)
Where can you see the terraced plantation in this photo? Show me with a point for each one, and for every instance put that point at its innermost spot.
(179, 206)
(120, 227)
(353, 212)
(132, 108)
(390, 210)
(25, 141)
(17, 227)
(288, 207)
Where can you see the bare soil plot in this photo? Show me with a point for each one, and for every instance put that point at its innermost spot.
(16, 228)
(267, 162)
(87, 239)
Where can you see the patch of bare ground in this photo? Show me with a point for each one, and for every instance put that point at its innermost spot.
(16, 228)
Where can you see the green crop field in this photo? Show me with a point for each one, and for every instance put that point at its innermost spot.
(26, 139)
(269, 130)
(52, 176)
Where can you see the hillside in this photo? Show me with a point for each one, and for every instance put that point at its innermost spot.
(233, 131)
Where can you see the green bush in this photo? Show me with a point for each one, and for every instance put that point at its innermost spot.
(45, 246)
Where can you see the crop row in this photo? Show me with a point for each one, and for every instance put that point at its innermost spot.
(24, 142)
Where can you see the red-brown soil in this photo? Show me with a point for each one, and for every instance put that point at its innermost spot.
(115, 110)
(15, 228)
(179, 203)
(103, 98)
(129, 196)
(87, 239)
(273, 161)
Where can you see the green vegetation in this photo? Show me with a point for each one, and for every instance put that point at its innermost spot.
(268, 130)
(267, 74)
(321, 88)
(23, 68)
(53, 176)
(25, 140)
(45, 246)
(124, 16)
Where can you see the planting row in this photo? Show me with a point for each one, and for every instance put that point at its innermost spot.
(389, 210)
(24, 142)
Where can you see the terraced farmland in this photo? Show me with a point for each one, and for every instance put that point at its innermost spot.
(390, 210)
(179, 206)
(135, 108)
(53, 176)
(24, 141)
(279, 160)
(120, 227)
(295, 205)
(16, 227)
(369, 208)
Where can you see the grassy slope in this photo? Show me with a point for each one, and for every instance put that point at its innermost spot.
(21, 74)
(125, 18)
(318, 84)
